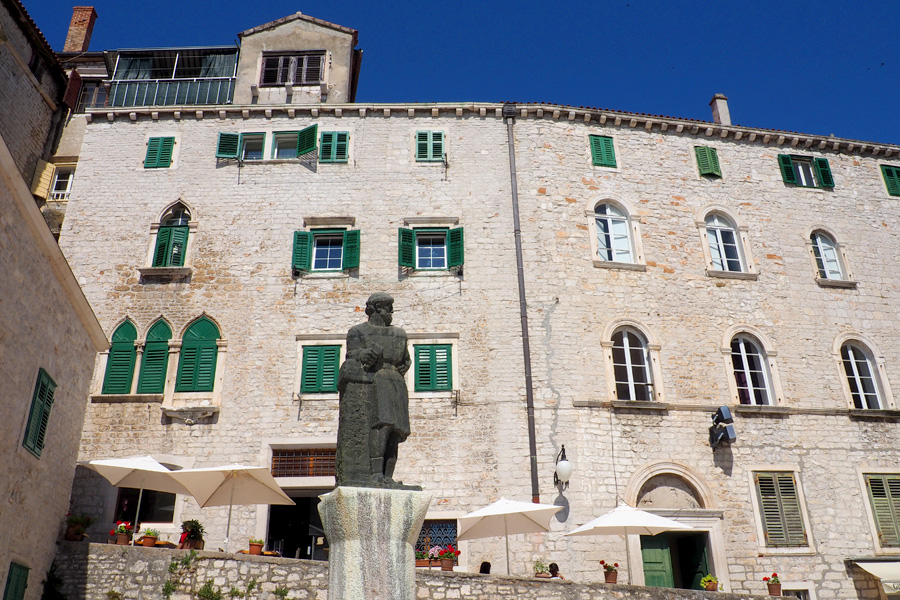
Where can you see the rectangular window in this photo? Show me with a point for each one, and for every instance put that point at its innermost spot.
(320, 369)
(884, 494)
(252, 146)
(781, 513)
(293, 144)
(707, 161)
(434, 370)
(159, 153)
(334, 147)
(326, 250)
(39, 416)
(805, 171)
(891, 179)
(303, 462)
(171, 243)
(93, 94)
(16, 582)
(436, 532)
(294, 69)
(62, 183)
(431, 249)
(602, 151)
(156, 507)
(430, 146)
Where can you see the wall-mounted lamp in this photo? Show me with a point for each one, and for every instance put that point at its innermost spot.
(722, 430)
(563, 471)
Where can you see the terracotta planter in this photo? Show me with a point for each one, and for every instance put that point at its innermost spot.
(542, 575)
(123, 539)
(712, 586)
(774, 589)
(434, 562)
(255, 549)
(611, 576)
(423, 562)
(447, 564)
(190, 544)
(74, 533)
(149, 541)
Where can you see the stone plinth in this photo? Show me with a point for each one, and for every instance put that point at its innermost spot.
(372, 535)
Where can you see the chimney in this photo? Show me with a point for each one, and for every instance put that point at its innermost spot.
(719, 104)
(80, 29)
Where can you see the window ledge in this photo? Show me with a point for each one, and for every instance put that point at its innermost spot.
(451, 272)
(639, 405)
(779, 551)
(165, 272)
(190, 415)
(749, 410)
(837, 283)
(322, 274)
(606, 264)
(306, 396)
(875, 413)
(732, 274)
(124, 398)
(439, 395)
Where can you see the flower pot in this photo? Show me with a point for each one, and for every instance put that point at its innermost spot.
(74, 533)
(712, 586)
(611, 576)
(423, 562)
(774, 589)
(255, 549)
(148, 541)
(447, 564)
(190, 544)
(434, 562)
(123, 539)
(542, 575)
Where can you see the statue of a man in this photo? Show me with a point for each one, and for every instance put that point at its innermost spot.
(374, 406)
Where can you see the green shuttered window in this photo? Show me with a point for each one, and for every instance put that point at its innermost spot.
(120, 360)
(334, 147)
(430, 146)
(326, 250)
(320, 369)
(171, 244)
(159, 153)
(891, 179)
(782, 516)
(155, 361)
(602, 151)
(39, 416)
(707, 161)
(16, 582)
(431, 249)
(884, 494)
(434, 370)
(197, 363)
(805, 171)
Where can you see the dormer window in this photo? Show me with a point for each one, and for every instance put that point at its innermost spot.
(292, 69)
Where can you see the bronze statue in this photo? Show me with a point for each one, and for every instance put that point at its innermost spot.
(374, 405)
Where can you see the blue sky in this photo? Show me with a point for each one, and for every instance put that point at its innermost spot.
(827, 67)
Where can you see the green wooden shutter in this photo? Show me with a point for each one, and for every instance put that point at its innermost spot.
(781, 512)
(351, 249)
(161, 252)
(320, 369)
(178, 246)
(437, 145)
(16, 582)
(455, 247)
(423, 145)
(306, 140)
(326, 150)
(119, 368)
(187, 369)
(165, 152)
(229, 145)
(891, 179)
(603, 152)
(434, 370)
(206, 367)
(787, 169)
(443, 373)
(331, 358)
(406, 248)
(154, 364)
(341, 146)
(311, 369)
(151, 161)
(823, 173)
(424, 379)
(884, 493)
(39, 416)
(302, 254)
(707, 161)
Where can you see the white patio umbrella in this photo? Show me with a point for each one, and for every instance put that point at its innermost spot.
(142, 472)
(230, 485)
(506, 517)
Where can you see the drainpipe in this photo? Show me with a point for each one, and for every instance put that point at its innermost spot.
(509, 115)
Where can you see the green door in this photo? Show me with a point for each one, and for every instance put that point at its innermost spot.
(657, 559)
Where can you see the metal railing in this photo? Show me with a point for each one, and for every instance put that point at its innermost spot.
(171, 92)
(59, 195)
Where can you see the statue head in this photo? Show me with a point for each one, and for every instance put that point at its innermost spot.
(380, 308)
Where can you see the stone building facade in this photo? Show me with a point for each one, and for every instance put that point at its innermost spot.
(670, 267)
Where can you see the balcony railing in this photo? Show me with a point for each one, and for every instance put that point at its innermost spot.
(171, 92)
(59, 196)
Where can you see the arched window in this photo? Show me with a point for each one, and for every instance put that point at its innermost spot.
(861, 371)
(155, 361)
(613, 234)
(171, 239)
(120, 361)
(197, 364)
(751, 371)
(827, 255)
(631, 365)
(725, 249)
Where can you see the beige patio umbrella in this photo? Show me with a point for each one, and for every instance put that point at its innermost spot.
(230, 485)
(141, 472)
(506, 517)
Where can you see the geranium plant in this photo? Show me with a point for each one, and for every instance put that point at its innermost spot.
(79, 522)
(449, 552)
(122, 527)
(772, 579)
(421, 555)
(609, 567)
(434, 552)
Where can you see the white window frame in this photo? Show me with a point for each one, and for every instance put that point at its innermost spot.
(61, 196)
(436, 222)
(845, 279)
(740, 229)
(652, 354)
(632, 229)
(316, 339)
(314, 223)
(810, 548)
(292, 58)
(874, 359)
(776, 396)
(430, 339)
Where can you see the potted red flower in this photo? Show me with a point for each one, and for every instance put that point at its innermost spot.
(774, 584)
(122, 532)
(447, 557)
(610, 571)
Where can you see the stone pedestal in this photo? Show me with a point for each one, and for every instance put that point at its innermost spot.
(372, 535)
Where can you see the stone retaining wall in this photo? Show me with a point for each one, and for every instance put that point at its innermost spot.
(90, 571)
